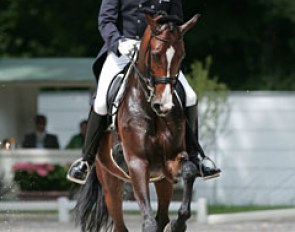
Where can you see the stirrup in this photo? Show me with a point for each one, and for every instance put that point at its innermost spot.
(82, 182)
(214, 166)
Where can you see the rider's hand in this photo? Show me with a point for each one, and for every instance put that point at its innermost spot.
(126, 47)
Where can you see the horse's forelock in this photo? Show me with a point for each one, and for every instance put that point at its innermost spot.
(167, 19)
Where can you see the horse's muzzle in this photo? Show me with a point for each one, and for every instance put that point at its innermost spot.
(161, 109)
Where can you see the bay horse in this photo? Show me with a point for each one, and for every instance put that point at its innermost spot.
(151, 129)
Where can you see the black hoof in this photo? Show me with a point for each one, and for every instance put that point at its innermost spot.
(173, 227)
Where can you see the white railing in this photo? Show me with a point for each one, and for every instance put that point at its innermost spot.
(9, 157)
(64, 206)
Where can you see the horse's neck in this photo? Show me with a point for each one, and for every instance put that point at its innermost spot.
(137, 90)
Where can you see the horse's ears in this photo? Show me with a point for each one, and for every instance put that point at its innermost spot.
(189, 24)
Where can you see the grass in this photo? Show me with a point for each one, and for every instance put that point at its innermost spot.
(220, 209)
(212, 209)
(28, 212)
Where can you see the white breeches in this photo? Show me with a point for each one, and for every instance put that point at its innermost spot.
(113, 65)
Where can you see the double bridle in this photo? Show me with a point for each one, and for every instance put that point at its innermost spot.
(148, 78)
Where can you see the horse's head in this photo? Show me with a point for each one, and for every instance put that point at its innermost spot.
(161, 53)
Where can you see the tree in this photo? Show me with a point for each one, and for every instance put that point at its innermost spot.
(212, 97)
(252, 42)
(49, 28)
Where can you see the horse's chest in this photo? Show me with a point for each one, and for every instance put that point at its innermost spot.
(164, 141)
(148, 133)
(161, 138)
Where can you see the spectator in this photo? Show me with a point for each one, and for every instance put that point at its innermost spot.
(40, 138)
(77, 141)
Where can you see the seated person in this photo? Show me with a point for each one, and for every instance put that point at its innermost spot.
(40, 138)
(77, 141)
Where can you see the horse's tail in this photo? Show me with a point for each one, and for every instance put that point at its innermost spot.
(91, 212)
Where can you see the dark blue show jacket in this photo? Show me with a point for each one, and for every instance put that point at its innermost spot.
(125, 19)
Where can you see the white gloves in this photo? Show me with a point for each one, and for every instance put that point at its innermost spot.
(126, 46)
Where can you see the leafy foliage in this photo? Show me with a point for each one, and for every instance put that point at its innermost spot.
(41, 177)
(49, 28)
(213, 96)
(4, 189)
(252, 42)
(201, 82)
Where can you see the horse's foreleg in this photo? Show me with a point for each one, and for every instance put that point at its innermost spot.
(184, 213)
(113, 191)
(138, 170)
(164, 189)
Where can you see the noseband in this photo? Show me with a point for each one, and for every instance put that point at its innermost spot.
(149, 79)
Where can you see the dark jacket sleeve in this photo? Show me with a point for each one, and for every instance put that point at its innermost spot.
(107, 24)
(176, 8)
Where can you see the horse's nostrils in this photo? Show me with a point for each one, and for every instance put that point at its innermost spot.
(156, 107)
(160, 110)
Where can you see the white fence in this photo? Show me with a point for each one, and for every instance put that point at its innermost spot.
(256, 152)
(64, 207)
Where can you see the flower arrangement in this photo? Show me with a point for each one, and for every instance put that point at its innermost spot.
(41, 177)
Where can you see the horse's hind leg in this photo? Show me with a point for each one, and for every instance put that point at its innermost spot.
(113, 190)
(164, 190)
(184, 213)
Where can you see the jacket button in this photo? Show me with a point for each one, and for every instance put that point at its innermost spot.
(138, 21)
(152, 6)
(140, 5)
(137, 37)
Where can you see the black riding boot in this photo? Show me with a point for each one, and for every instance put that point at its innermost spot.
(79, 170)
(193, 146)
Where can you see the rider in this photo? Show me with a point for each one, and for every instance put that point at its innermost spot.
(121, 24)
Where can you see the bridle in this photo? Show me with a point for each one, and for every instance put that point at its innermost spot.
(149, 79)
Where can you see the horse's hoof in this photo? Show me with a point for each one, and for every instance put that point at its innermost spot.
(173, 227)
(168, 228)
(150, 225)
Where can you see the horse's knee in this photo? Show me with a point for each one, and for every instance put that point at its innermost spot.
(137, 165)
(189, 170)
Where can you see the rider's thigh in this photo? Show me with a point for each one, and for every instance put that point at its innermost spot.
(112, 65)
(191, 97)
